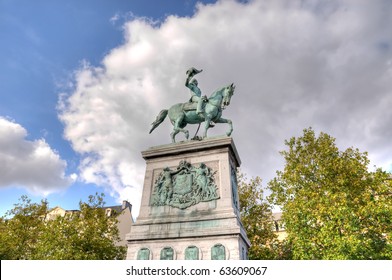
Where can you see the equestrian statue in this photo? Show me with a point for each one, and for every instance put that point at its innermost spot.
(199, 108)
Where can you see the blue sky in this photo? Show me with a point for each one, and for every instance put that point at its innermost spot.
(43, 43)
(81, 81)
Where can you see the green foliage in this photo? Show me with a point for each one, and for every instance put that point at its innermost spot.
(333, 206)
(257, 220)
(20, 235)
(27, 232)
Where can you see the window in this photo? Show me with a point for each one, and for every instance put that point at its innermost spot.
(143, 254)
(218, 252)
(167, 253)
(192, 253)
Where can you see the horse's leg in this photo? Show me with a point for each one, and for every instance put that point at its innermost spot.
(173, 134)
(179, 122)
(207, 122)
(177, 129)
(185, 131)
(222, 120)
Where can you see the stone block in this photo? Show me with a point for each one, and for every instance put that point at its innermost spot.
(190, 204)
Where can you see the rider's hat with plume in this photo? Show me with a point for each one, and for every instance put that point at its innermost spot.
(193, 71)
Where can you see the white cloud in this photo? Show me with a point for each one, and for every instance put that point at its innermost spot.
(29, 164)
(114, 18)
(295, 63)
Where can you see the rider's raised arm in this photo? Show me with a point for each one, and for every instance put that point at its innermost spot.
(190, 73)
(187, 81)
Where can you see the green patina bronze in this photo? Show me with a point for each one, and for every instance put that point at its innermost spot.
(167, 253)
(234, 187)
(199, 108)
(192, 253)
(218, 252)
(185, 186)
(143, 254)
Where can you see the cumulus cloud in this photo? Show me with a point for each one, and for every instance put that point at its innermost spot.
(295, 64)
(29, 164)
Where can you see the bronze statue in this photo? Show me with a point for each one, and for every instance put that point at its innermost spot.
(198, 110)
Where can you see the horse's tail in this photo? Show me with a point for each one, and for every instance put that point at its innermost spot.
(160, 118)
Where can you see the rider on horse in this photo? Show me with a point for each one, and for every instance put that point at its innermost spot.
(199, 109)
(195, 91)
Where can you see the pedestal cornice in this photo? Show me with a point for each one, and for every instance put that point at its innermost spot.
(191, 147)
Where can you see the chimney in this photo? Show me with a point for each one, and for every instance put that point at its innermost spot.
(126, 204)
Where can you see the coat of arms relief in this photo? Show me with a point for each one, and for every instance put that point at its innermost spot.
(185, 186)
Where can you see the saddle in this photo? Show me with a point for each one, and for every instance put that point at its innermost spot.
(189, 106)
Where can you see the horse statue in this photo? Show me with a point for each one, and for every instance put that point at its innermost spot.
(182, 114)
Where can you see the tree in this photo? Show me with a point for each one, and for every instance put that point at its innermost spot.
(20, 235)
(85, 234)
(333, 206)
(257, 220)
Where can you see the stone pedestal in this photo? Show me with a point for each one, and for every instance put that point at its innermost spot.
(190, 207)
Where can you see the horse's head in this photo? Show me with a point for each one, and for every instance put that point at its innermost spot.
(227, 94)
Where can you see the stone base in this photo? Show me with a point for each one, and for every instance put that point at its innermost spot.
(233, 246)
(206, 230)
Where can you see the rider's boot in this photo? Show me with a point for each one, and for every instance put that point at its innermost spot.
(200, 109)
